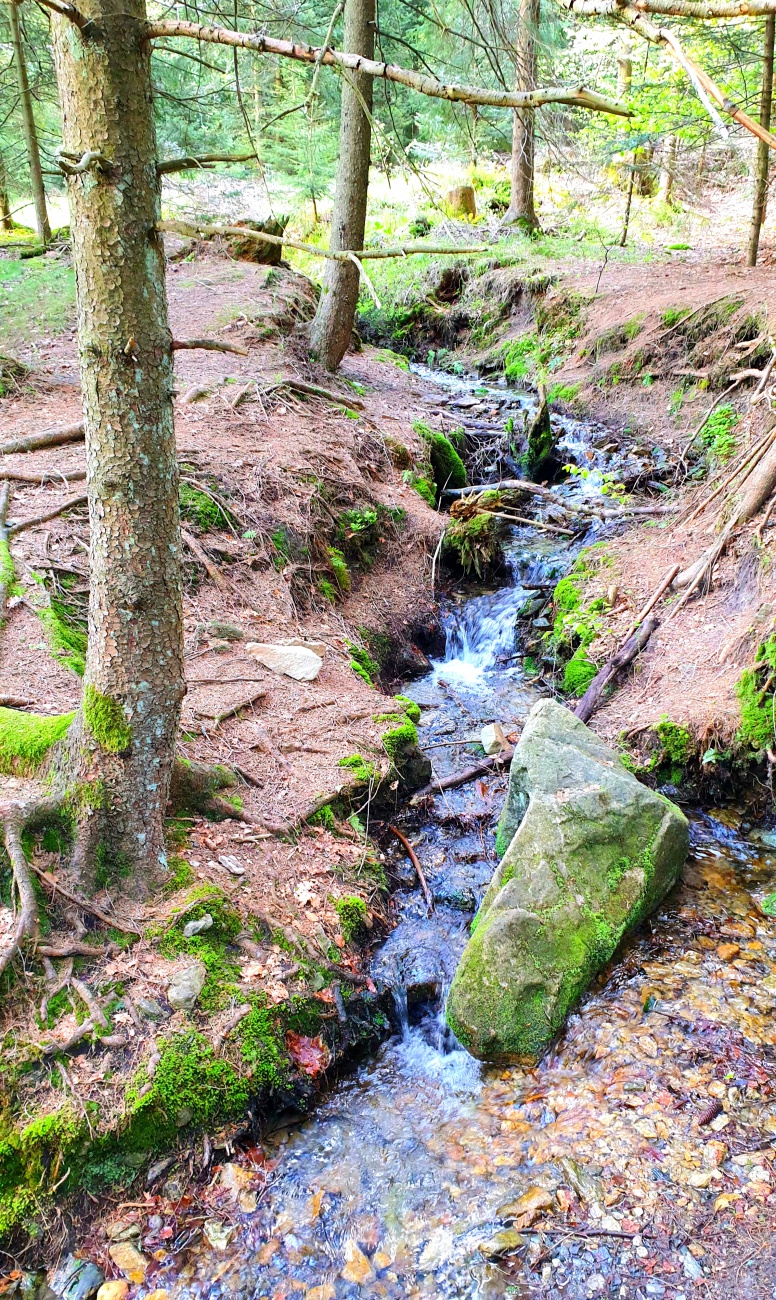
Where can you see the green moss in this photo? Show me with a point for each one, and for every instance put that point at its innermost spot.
(379, 644)
(362, 663)
(718, 433)
(104, 718)
(201, 509)
(7, 571)
(361, 768)
(756, 699)
(324, 817)
(448, 469)
(340, 569)
(26, 738)
(191, 1086)
(398, 739)
(476, 542)
(422, 485)
(409, 707)
(328, 590)
(676, 741)
(563, 393)
(66, 634)
(351, 911)
(578, 673)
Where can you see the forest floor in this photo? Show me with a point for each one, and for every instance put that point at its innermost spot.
(300, 476)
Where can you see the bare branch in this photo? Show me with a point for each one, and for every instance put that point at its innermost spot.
(202, 164)
(340, 255)
(46, 438)
(75, 165)
(43, 518)
(207, 345)
(65, 11)
(418, 81)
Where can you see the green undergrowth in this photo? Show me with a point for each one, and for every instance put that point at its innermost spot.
(362, 663)
(37, 299)
(199, 508)
(26, 738)
(718, 434)
(360, 533)
(536, 354)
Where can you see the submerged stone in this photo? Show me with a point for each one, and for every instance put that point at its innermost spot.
(588, 852)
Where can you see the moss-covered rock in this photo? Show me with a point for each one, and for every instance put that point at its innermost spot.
(588, 852)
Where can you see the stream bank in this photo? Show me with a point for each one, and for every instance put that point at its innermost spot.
(635, 1160)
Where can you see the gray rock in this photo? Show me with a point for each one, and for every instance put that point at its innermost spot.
(185, 987)
(588, 852)
(76, 1279)
(150, 1008)
(196, 927)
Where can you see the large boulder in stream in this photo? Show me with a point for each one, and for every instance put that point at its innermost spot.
(588, 852)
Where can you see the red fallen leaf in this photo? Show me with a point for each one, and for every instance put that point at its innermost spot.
(310, 1054)
(371, 986)
(166, 1233)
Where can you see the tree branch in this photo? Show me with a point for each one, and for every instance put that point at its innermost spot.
(43, 518)
(418, 81)
(338, 255)
(207, 160)
(633, 16)
(207, 345)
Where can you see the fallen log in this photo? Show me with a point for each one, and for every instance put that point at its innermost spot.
(662, 586)
(208, 345)
(6, 563)
(46, 438)
(461, 778)
(619, 660)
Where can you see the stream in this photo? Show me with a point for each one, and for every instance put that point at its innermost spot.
(393, 1187)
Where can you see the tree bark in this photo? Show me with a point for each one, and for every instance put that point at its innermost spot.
(521, 200)
(6, 220)
(668, 168)
(120, 749)
(763, 150)
(28, 122)
(332, 327)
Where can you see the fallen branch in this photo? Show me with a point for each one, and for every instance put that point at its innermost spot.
(169, 165)
(73, 948)
(414, 859)
(69, 504)
(15, 702)
(47, 438)
(662, 586)
(422, 82)
(337, 255)
(207, 345)
(619, 660)
(16, 819)
(315, 390)
(6, 562)
(45, 476)
(461, 778)
(48, 880)
(746, 464)
(205, 561)
(533, 523)
(298, 940)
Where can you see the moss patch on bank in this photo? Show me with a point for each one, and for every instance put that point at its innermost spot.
(26, 738)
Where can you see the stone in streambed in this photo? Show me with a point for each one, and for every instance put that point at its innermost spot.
(588, 852)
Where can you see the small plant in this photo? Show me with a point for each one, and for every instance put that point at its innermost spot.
(608, 484)
(718, 434)
(672, 315)
(352, 914)
(200, 509)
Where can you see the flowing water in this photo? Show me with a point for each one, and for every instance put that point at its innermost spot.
(393, 1186)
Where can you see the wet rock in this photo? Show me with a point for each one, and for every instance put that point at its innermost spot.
(129, 1260)
(461, 900)
(357, 1267)
(218, 1234)
(503, 1243)
(588, 853)
(158, 1168)
(492, 738)
(115, 1290)
(185, 987)
(122, 1230)
(524, 1209)
(76, 1279)
(728, 951)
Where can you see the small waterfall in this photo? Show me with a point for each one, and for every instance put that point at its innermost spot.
(399, 993)
(483, 630)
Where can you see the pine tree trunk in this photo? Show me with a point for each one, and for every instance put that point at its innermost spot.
(28, 122)
(668, 168)
(332, 328)
(521, 199)
(6, 220)
(763, 150)
(121, 747)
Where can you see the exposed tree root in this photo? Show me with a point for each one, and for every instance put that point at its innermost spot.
(84, 904)
(208, 345)
(16, 819)
(205, 561)
(6, 564)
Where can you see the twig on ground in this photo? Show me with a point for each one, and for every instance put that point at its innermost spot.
(414, 859)
(205, 561)
(16, 819)
(73, 948)
(231, 1024)
(662, 586)
(43, 518)
(218, 718)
